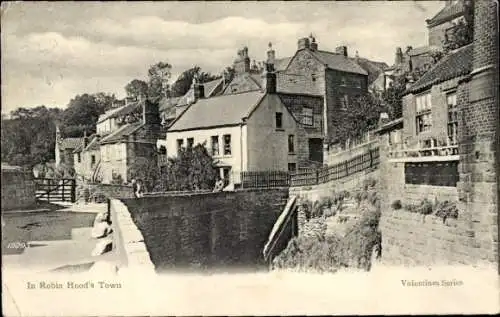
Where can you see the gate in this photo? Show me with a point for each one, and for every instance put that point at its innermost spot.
(50, 189)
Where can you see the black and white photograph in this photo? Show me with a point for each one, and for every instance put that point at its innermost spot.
(250, 158)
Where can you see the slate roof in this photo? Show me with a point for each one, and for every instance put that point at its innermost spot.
(121, 133)
(217, 111)
(339, 62)
(210, 86)
(458, 63)
(70, 143)
(281, 63)
(447, 13)
(113, 113)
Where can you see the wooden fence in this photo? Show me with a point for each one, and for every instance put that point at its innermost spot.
(49, 189)
(311, 176)
(330, 173)
(265, 179)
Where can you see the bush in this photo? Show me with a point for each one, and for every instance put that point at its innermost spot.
(369, 183)
(396, 205)
(426, 207)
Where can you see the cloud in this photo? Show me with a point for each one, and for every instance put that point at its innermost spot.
(53, 51)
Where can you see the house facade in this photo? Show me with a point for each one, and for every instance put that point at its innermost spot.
(249, 131)
(87, 157)
(64, 149)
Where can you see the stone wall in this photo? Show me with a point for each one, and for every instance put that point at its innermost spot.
(100, 192)
(18, 189)
(416, 239)
(207, 230)
(128, 242)
(336, 157)
(315, 192)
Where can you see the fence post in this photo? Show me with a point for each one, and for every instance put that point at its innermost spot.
(346, 168)
(63, 185)
(371, 158)
(317, 176)
(73, 191)
(48, 190)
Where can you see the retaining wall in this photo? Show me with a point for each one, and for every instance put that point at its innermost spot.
(203, 230)
(315, 192)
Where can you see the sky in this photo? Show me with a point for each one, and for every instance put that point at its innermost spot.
(53, 51)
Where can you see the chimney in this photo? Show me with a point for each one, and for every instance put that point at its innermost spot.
(269, 79)
(341, 50)
(399, 56)
(271, 55)
(242, 62)
(303, 43)
(85, 139)
(314, 45)
(199, 91)
(150, 113)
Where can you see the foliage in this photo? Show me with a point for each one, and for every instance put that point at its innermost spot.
(158, 76)
(442, 210)
(116, 179)
(396, 205)
(192, 169)
(181, 86)
(146, 170)
(83, 112)
(360, 116)
(462, 32)
(136, 88)
(28, 137)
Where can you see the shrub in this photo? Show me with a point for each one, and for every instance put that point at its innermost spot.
(446, 210)
(396, 205)
(369, 182)
(306, 205)
(426, 207)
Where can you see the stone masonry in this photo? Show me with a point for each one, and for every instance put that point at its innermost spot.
(478, 186)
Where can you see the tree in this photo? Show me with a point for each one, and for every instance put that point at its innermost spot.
(462, 33)
(181, 86)
(82, 113)
(28, 137)
(136, 89)
(192, 169)
(146, 170)
(360, 116)
(158, 76)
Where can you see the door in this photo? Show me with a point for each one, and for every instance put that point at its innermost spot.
(226, 174)
(316, 150)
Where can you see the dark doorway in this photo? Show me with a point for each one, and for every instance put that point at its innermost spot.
(316, 150)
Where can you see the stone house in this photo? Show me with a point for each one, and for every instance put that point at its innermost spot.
(248, 131)
(131, 141)
(87, 156)
(316, 86)
(64, 149)
(424, 152)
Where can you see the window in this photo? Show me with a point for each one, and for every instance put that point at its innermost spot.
(215, 145)
(344, 102)
(343, 81)
(451, 100)
(313, 77)
(190, 142)
(180, 143)
(279, 120)
(292, 167)
(307, 116)
(92, 160)
(227, 144)
(424, 114)
(291, 144)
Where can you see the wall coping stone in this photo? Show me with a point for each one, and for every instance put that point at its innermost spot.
(132, 241)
